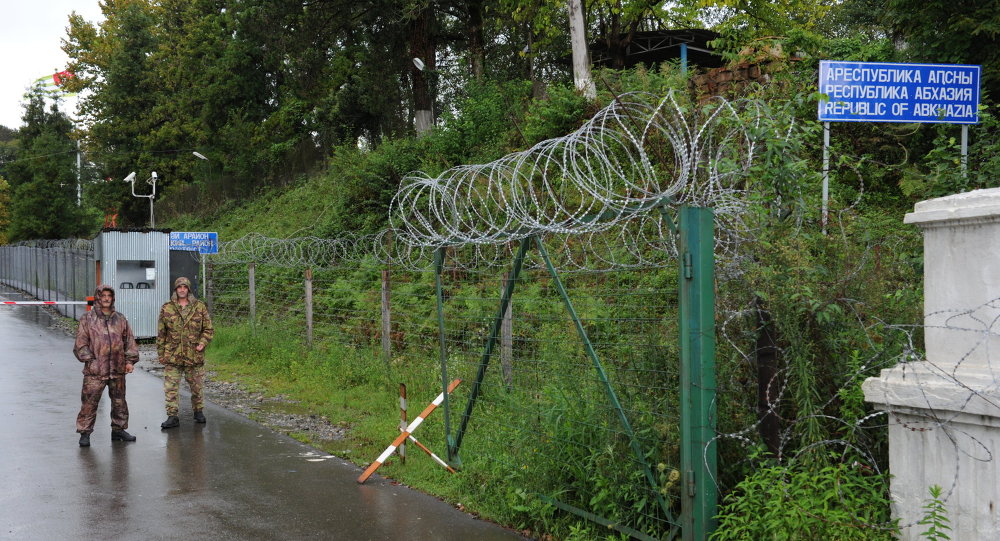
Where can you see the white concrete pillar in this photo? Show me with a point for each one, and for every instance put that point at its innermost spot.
(944, 412)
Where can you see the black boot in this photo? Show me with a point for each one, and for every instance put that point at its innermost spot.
(84, 440)
(171, 422)
(121, 435)
(199, 417)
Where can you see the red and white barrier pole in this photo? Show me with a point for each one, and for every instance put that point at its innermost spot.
(43, 302)
(406, 433)
(89, 302)
(432, 455)
(402, 427)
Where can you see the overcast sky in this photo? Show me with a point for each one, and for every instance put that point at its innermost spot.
(31, 33)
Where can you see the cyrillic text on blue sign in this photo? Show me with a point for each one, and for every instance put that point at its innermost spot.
(889, 92)
(201, 242)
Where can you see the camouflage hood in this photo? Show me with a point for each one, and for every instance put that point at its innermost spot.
(97, 296)
(105, 343)
(182, 281)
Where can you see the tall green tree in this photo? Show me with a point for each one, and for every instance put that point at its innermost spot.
(112, 63)
(190, 95)
(44, 176)
(954, 31)
(8, 148)
(4, 209)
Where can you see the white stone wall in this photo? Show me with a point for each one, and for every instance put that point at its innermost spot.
(961, 277)
(944, 412)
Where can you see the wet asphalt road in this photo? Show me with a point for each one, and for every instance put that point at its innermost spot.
(228, 479)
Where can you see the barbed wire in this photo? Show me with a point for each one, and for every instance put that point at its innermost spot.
(59, 244)
(594, 194)
(638, 152)
(591, 252)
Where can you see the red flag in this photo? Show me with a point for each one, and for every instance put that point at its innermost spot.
(60, 77)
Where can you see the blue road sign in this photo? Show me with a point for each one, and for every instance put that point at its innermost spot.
(201, 242)
(888, 92)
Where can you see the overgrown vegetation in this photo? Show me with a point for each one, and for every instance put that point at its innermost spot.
(828, 300)
(318, 148)
(815, 499)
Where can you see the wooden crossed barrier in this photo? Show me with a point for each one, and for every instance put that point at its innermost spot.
(405, 435)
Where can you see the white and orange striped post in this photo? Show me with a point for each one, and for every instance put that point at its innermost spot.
(431, 454)
(402, 428)
(406, 433)
(402, 421)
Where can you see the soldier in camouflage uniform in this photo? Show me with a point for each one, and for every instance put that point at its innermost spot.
(106, 347)
(185, 329)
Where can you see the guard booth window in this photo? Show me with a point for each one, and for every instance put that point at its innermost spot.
(136, 274)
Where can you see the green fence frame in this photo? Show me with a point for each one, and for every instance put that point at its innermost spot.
(699, 456)
(699, 494)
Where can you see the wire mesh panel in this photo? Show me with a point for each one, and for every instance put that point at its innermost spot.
(548, 404)
(543, 415)
(346, 306)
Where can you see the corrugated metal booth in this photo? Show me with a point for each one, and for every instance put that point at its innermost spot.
(137, 264)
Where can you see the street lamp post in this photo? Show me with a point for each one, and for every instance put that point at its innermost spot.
(202, 157)
(201, 256)
(422, 122)
(211, 174)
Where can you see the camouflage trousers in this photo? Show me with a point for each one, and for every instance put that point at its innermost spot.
(195, 377)
(90, 397)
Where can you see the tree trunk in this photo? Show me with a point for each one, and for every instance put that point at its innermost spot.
(582, 78)
(422, 48)
(617, 44)
(617, 36)
(477, 49)
(538, 91)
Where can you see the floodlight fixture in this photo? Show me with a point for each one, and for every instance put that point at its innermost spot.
(152, 182)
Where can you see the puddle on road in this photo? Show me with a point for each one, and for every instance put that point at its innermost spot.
(44, 316)
(315, 457)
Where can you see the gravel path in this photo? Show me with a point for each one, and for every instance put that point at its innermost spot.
(263, 409)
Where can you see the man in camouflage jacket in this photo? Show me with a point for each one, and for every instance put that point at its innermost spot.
(184, 331)
(106, 347)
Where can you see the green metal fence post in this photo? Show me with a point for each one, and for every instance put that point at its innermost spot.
(443, 348)
(699, 493)
(505, 297)
(588, 346)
